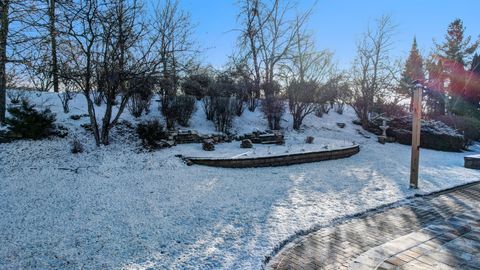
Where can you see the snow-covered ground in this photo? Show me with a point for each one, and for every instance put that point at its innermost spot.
(117, 207)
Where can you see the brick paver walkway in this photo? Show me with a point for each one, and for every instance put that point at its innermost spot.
(348, 244)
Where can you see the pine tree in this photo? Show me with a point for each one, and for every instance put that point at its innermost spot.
(412, 71)
(455, 53)
(473, 86)
(457, 47)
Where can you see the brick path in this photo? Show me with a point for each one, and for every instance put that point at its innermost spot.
(350, 243)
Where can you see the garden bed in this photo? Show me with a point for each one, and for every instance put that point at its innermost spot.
(276, 160)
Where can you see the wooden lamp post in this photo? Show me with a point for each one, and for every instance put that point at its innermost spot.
(416, 127)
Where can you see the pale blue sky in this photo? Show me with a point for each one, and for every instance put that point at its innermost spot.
(337, 24)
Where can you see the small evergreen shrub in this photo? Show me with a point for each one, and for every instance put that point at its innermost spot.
(28, 123)
(151, 133)
(16, 96)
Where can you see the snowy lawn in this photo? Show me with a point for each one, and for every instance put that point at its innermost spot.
(117, 207)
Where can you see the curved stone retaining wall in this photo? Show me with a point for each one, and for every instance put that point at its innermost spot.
(282, 160)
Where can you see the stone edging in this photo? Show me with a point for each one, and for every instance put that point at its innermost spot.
(281, 160)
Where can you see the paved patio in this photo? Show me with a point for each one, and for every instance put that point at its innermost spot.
(440, 231)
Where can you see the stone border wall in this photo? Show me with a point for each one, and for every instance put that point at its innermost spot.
(282, 160)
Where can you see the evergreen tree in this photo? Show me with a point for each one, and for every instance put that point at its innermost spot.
(412, 71)
(473, 85)
(457, 47)
(455, 53)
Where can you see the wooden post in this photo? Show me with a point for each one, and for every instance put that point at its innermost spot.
(416, 127)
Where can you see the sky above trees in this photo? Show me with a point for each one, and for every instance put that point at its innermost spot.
(338, 24)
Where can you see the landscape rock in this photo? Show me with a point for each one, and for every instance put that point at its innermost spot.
(246, 143)
(208, 145)
(341, 125)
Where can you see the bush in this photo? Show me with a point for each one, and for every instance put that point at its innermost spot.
(197, 85)
(208, 107)
(141, 89)
(468, 126)
(340, 107)
(239, 106)
(16, 96)
(184, 106)
(273, 109)
(390, 110)
(150, 133)
(309, 139)
(301, 100)
(321, 109)
(27, 122)
(223, 113)
(77, 146)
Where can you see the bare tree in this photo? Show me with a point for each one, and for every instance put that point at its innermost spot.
(13, 33)
(83, 30)
(305, 69)
(4, 27)
(372, 74)
(176, 50)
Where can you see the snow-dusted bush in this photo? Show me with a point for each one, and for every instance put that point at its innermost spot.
(29, 123)
(272, 106)
(273, 109)
(141, 93)
(223, 113)
(208, 107)
(184, 107)
(77, 146)
(389, 109)
(150, 133)
(301, 100)
(339, 107)
(468, 126)
(197, 85)
(139, 103)
(16, 96)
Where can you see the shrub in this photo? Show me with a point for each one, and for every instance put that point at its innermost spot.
(197, 85)
(223, 113)
(390, 109)
(273, 109)
(150, 133)
(16, 96)
(321, 109)
(239, 108)
(301, 100)
(468, 126)
(141, 89)
(309, 139)
(184, 106)
(340, 107)
(77, 146)
(208, 107)
(27, 122)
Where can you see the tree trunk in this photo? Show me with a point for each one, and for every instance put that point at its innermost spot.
(4, 4)
(53, 44)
